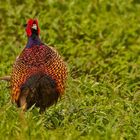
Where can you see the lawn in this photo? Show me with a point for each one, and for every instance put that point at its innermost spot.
(100, 42)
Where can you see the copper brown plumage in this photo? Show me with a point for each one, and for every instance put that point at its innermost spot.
(39, 73)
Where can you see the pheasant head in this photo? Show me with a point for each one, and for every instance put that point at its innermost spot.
(32, 27)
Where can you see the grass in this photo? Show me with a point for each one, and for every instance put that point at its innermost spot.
(100, 41)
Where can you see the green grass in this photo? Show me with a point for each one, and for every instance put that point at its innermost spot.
(100, 41)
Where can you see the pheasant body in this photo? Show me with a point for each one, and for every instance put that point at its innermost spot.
(39, 73)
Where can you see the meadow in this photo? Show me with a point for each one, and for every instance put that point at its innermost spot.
(100, 42)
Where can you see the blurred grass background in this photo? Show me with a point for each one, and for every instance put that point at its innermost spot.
(100, 41)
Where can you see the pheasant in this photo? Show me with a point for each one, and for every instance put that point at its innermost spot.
(39, 73)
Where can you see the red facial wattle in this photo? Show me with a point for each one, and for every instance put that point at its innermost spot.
(29, 27)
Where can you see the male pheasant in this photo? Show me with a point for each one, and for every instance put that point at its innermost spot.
(39, 73)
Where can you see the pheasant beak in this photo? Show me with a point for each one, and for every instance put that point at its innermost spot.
(34, 26)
